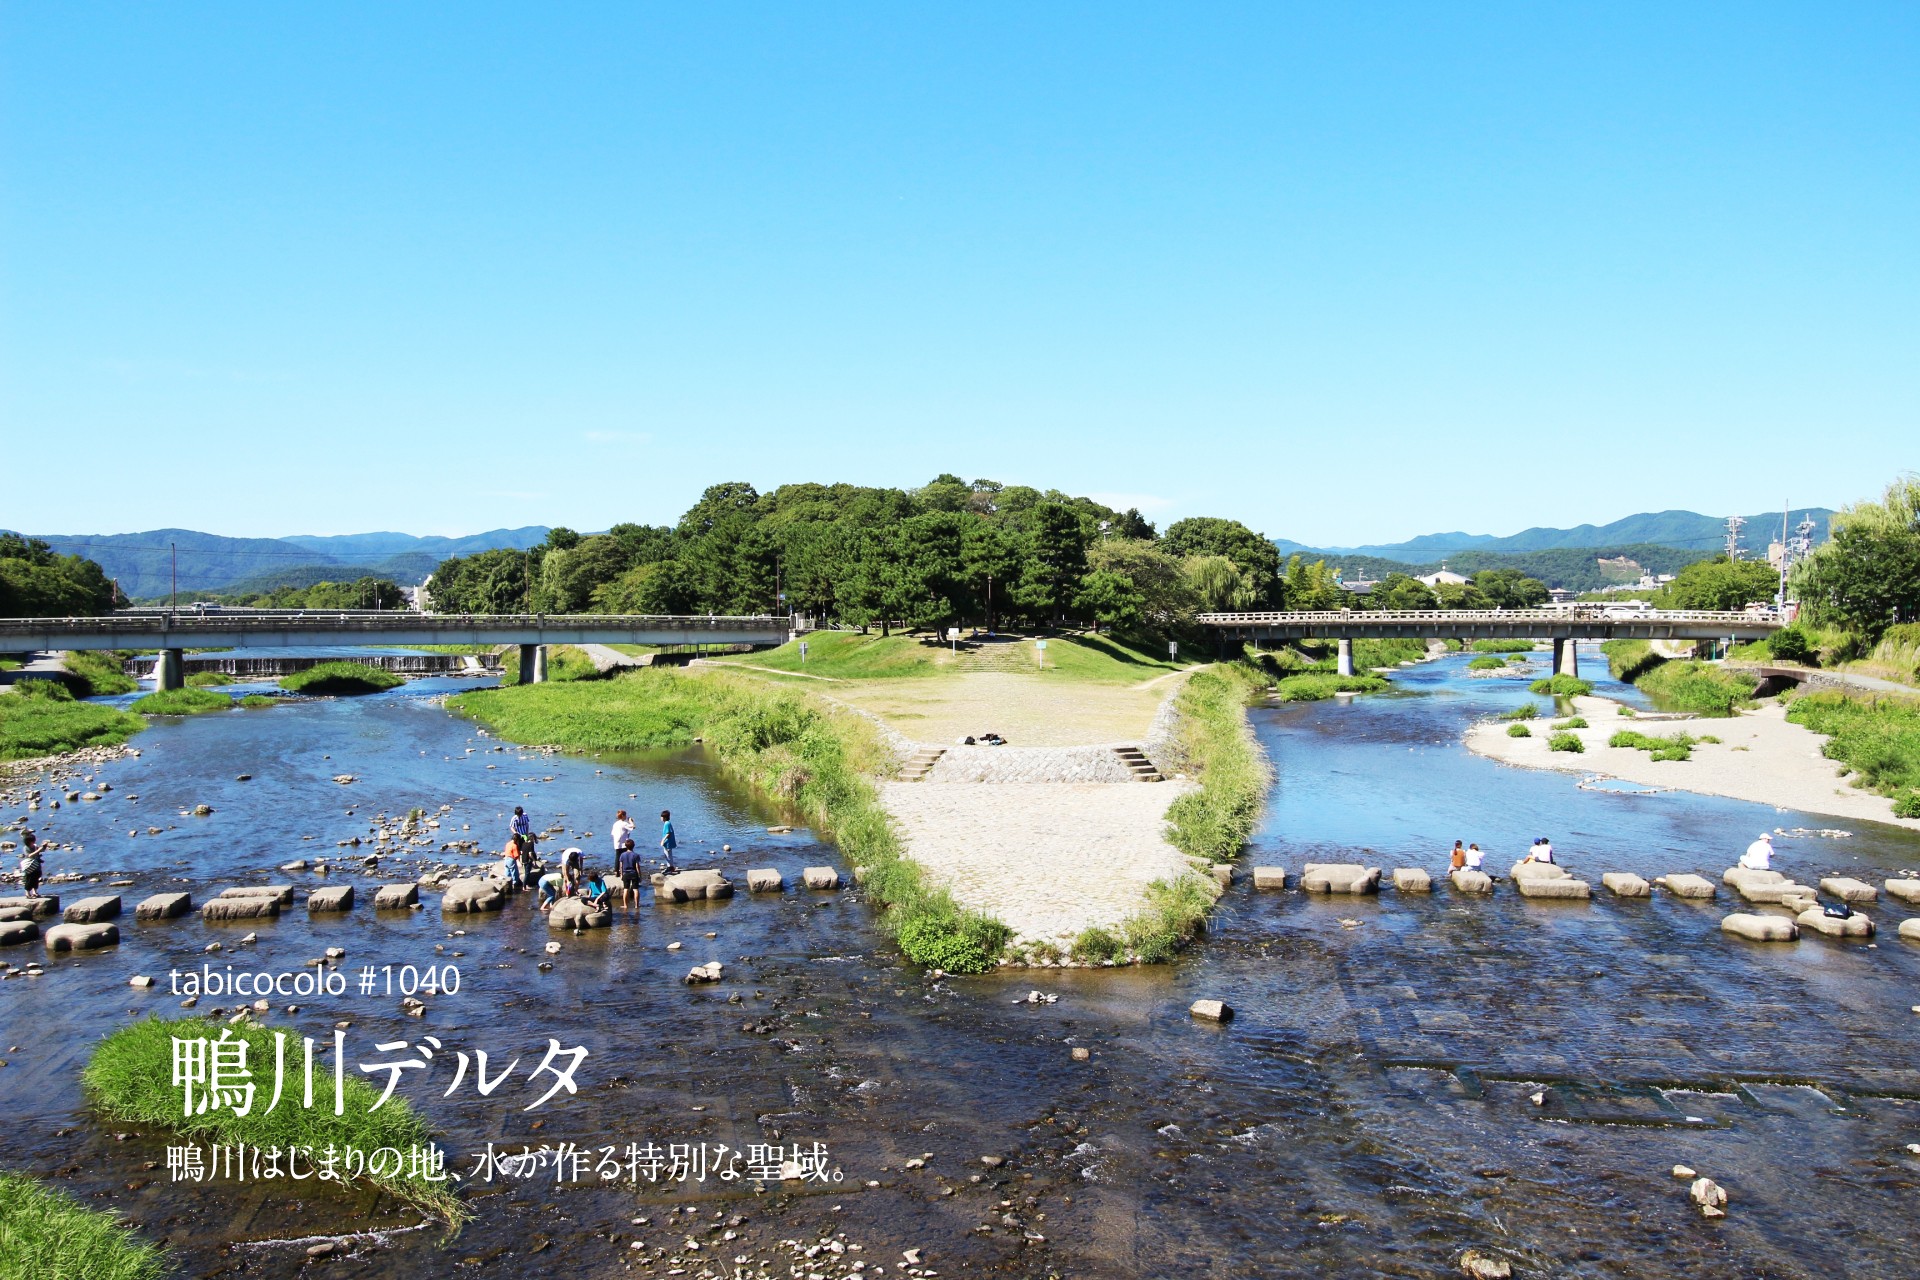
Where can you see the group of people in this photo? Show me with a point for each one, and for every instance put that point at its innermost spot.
(1471, 858)
(573, 878)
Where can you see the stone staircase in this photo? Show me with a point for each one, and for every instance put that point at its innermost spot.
(1138, 765)
(921, 764)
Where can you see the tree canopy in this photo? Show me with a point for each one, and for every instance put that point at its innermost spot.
(36, 583)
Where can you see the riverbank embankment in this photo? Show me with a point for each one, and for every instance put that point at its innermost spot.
(1761, 757)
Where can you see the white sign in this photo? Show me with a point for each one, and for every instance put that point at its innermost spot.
(1173, 649)
(1039, 644)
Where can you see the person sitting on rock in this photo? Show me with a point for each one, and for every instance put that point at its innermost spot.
(594, 890)
(1459, 858)
(1759, 854)
(1542, 851)
(1474, 857)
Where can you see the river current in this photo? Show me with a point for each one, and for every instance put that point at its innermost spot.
(1406, 1076)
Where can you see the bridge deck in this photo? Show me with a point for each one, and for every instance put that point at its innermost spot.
(1469, 624)
(283, 629)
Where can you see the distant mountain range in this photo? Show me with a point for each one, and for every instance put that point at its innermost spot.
(1680, 530)
(143, 563)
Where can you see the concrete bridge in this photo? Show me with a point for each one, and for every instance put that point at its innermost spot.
(1560, 626)
(172, 632)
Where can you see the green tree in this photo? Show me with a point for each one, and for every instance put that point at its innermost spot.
(1867, 575)
(1220, 585)
(1719, 583)
(36, 583)
(1402, 592)
(1110, 598)
(1511, 589)
(1254, 553)
(1167, 600)
(1056, 560)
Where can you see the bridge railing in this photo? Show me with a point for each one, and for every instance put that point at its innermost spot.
(1530, 617)
(213, 624)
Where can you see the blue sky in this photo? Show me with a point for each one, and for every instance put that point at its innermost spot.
(1347, 273)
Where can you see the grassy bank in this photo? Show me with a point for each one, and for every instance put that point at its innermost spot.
(1314, 686)
(564, 663)
(40, 718)
(1877, 738)
(208, 679)
(848, 655)
(786, 745)
(94, 673)
(129, 1078)
(1679, 684)
(48, 1235)
(182, 702)
(344, 678)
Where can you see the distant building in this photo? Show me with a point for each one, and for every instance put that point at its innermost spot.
(1359, 586)
(1443, 575)
(1559, 595)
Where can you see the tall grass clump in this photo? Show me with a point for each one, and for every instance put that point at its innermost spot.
(46, 1234)
(1214, 745)
(95, 673)
(1525, 711)
(1673, 746)
(1518, 730)
(1503, 646)
(1317, 686)
(340, 678)
(1565, 742)
(1877, 738)
(181, 702)
(1628, 660)
(208, 679)
(40, 718)
(1562, 686)
(1897, 655)
(1487, 663)
(129, 1078)
(787, 746)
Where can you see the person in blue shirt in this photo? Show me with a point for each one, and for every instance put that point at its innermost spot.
(667, 842)
(594, 891)
(521, 829)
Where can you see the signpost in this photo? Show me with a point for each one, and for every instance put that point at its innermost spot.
(1173, 650)
(1040, 652)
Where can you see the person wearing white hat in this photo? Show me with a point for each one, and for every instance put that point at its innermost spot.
(1759, 854)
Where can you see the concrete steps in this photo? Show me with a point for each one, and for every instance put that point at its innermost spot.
(1142, 769)
(917, 768)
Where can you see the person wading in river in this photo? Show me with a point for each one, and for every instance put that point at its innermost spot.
(30, 864)
(667, 841)
(521, 830)
(626, 860)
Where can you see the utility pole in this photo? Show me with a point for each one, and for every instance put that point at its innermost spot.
(526, 561)
(1734, 525)
(175, 551)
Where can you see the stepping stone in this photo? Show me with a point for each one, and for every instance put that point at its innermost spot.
(92, 910)
(1561, 886)
(1625, 884)
(1339, 877)
(1760, 928)
(1687, 885)
(1905, 890)
(282, 892)
(1412, 880)
(821, 878)
(1847, 889)
(1211, 1010)
(1910, 929)
(1853, 926)
(257, 907)
(769, 880)
(1737, 876)
(692, 886)
(1798, 902)
(396, 897)
(473, 893)
(573, 913)
(164, 906)
(43, 907)
(1269, 877)
(332, 898)
(1466, 880)
(1222, 874)
(15, 932)
(82, 937)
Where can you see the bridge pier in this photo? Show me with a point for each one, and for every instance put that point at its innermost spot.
(1346, 656)
(533, 664)
(1566, 657)
(167, 671)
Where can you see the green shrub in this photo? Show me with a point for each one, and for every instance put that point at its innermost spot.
(1517, 730)
(1680, 684)
(181, 702)
(48, 1235)
(95, 673)
(1565, 742)
(1525, 711)
(1488, 663)
(340, 678)
(1502, 646)
(1878, 738)
(936, 943)
(1790, 644)
(1907, 806)
(1572, 722)
(40, 718)
(1214, 744)
(1174, 913)
(1562, 686)
(1625, 713)
(1676, 746)
(129, 1078)
(257, 700)
(1096, 944)
(1317, 686)
(208, 679)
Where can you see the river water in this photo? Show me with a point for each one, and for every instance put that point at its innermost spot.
(1369, 1111)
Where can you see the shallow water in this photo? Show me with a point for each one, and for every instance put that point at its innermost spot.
(1368, 1112)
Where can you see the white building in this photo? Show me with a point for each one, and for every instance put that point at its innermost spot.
(1444, 575)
